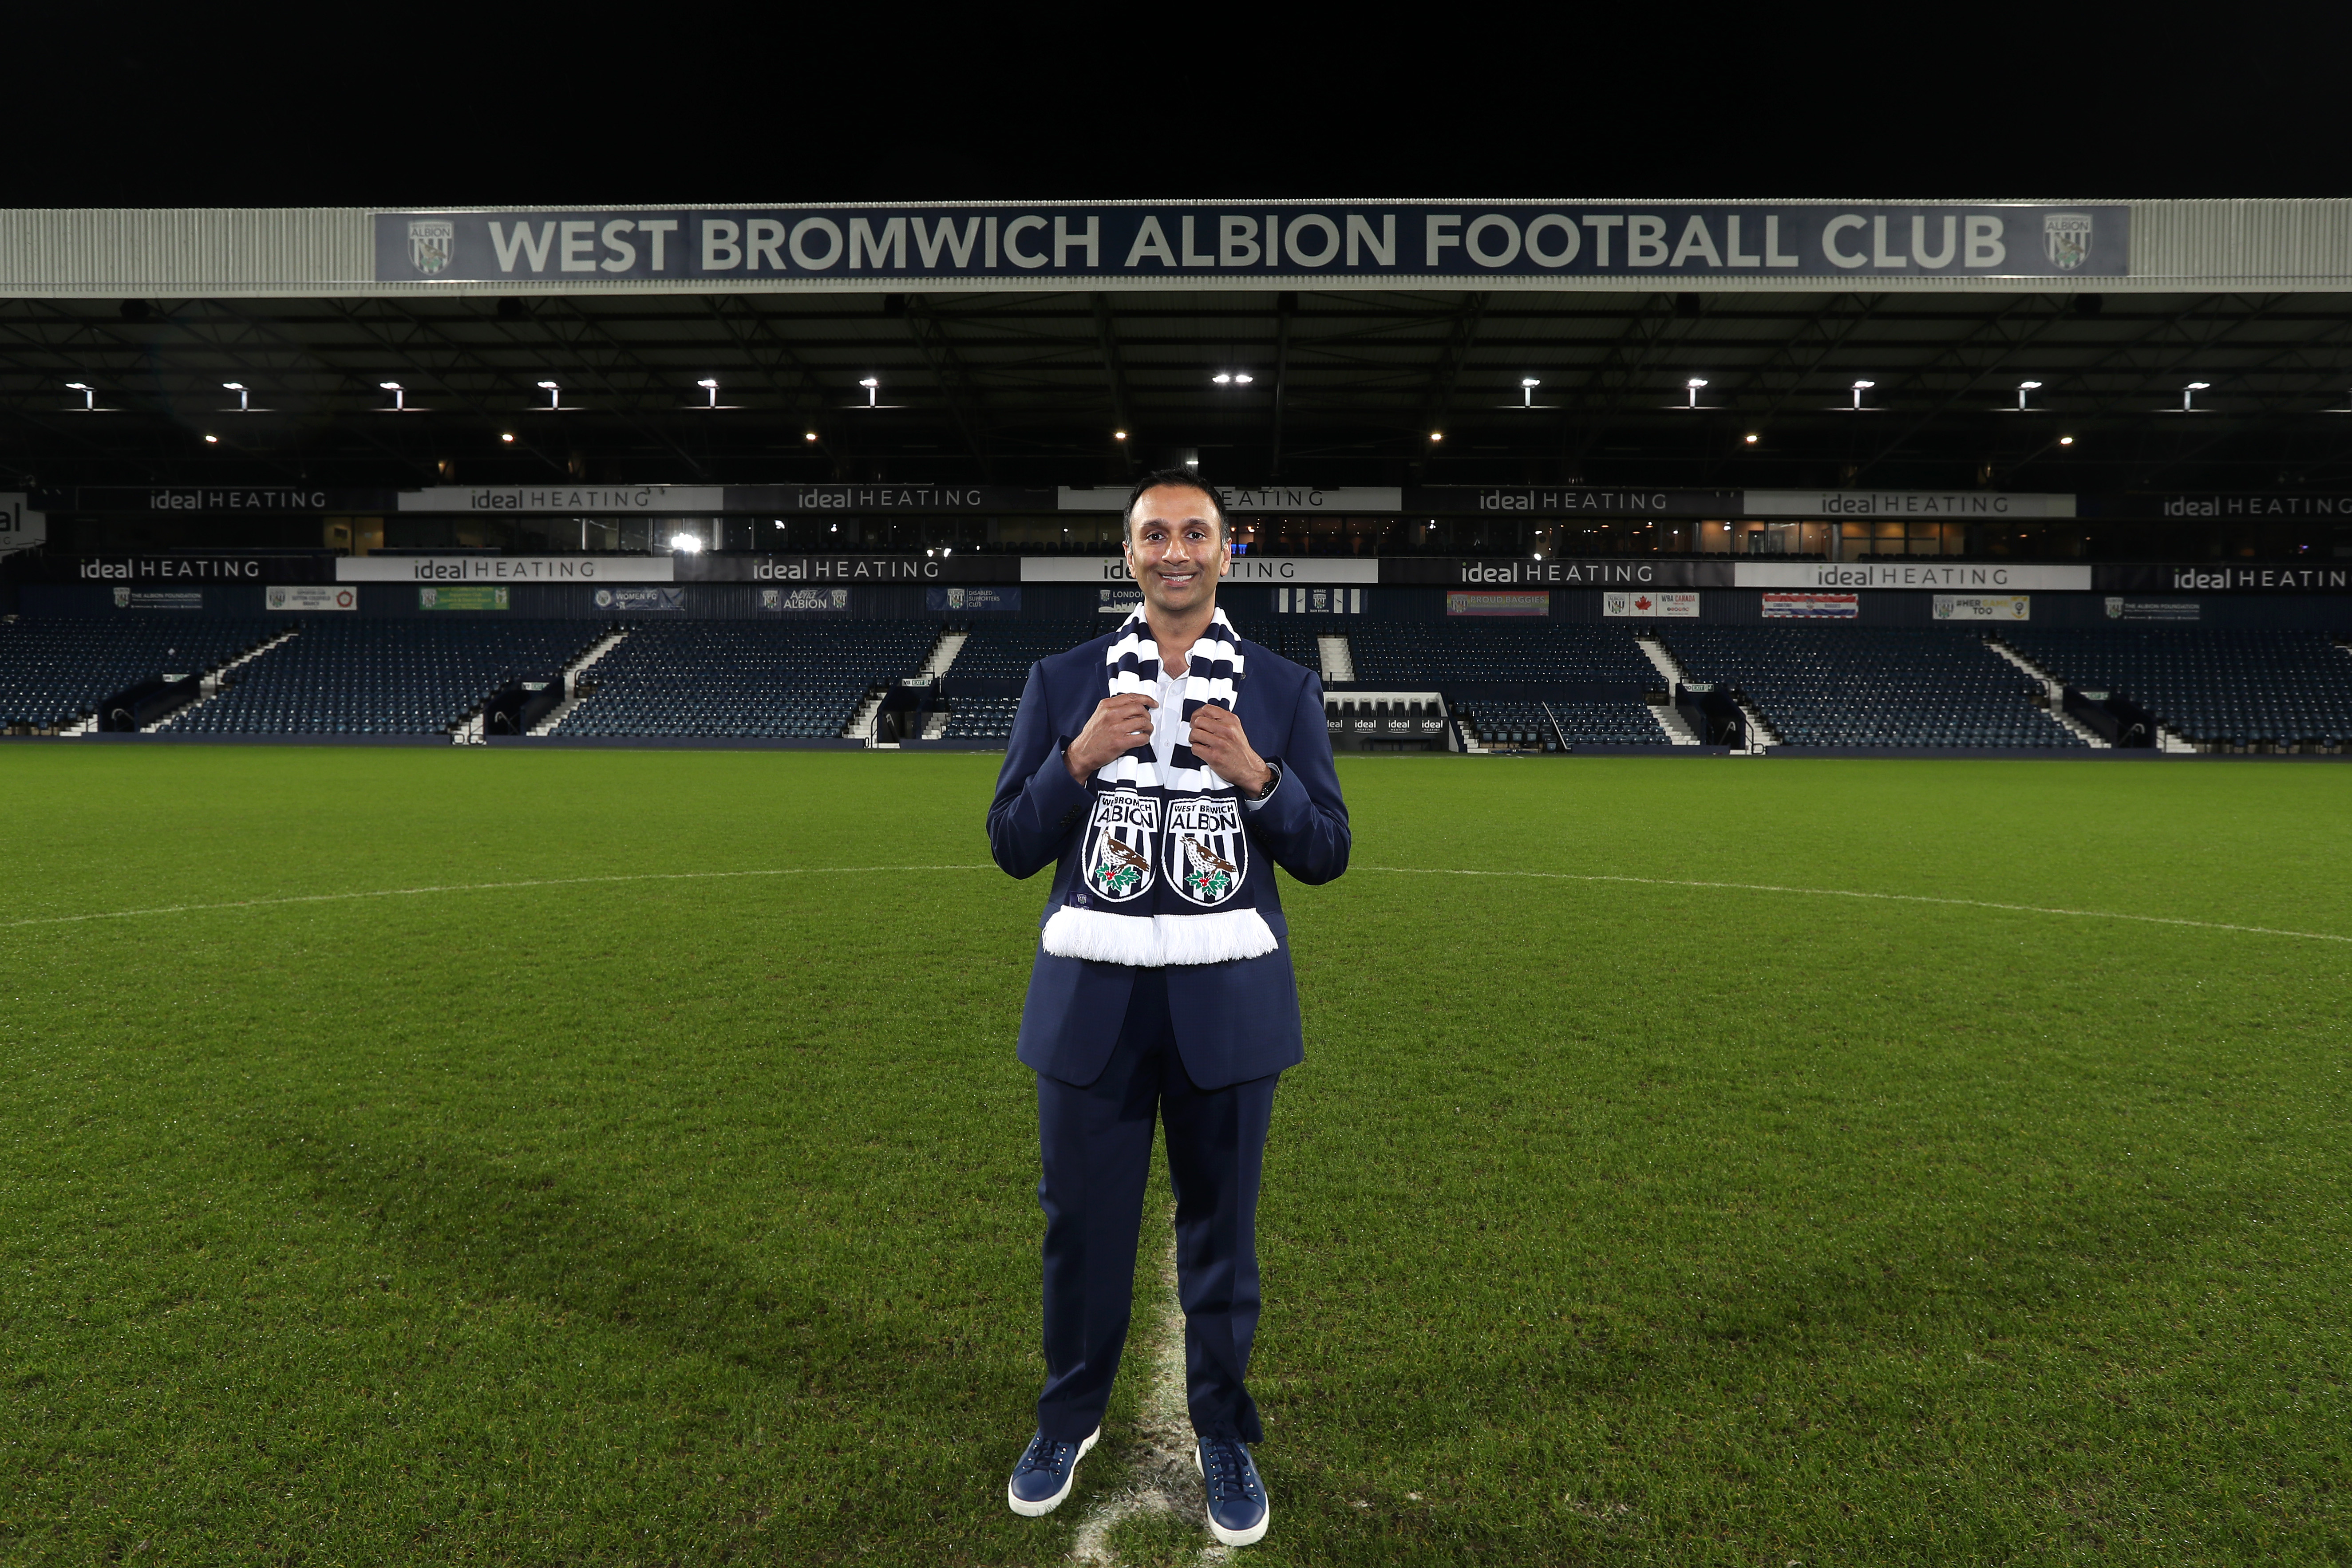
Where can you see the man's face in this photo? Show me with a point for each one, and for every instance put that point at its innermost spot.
(1176, 549)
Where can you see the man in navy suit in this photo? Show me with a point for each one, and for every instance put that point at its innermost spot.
(1196, 1045)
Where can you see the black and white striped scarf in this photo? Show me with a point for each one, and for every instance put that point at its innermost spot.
(1165, 859)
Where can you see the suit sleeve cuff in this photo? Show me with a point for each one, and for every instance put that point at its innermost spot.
(1261, 802)
(1052, 785)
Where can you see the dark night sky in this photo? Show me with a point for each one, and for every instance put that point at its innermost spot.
(1966, 101)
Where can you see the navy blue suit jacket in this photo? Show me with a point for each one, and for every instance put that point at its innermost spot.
(1234, 1021)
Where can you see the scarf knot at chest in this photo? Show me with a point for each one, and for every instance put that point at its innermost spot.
(1164, 862)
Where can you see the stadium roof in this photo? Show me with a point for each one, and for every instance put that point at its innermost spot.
(121, 331)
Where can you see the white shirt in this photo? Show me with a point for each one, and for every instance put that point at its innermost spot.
(1168, 719)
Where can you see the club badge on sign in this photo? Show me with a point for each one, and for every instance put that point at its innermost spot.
(1117, 848)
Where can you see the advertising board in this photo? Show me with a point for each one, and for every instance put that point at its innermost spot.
(1468, 604)
(304, 598)
(1643, 605)
(1811, 606)
(1983, 606)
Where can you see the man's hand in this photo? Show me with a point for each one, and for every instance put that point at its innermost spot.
(1121, 723)
(1219, 741)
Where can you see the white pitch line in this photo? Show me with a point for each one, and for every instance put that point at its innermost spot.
(472, 888)
(1163, 1479)
(1391, 870)
(1850, 893)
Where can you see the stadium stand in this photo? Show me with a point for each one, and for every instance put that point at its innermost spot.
(1294, 638)
(2232, 688)
(1433, 653)
(1854, 686)
(982, 719)
(1003, 650)
(1511, 722)
(384, 677)
(794, 678)
(54, 671)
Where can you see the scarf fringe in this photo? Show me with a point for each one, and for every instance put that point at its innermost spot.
(1159, 941)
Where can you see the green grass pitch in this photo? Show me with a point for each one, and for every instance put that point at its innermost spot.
(668, 1218)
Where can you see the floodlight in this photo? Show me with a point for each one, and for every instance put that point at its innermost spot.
(1241, 378)
(1222, 378)
(2188, 392)
(1859, 388)
(243, 396)
(812, 436)
(1529, 381)
(89, 394)
(1753, 438)
(399, 396)
(1118, 435)
(2065, 440)
(554, 393)
(1437, 435)
(873, 385)
(505, 436)
(2029, 387)
(685, 541)
(2199, 385)
(212, 440)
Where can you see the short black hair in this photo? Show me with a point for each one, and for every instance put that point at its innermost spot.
(1180, 479)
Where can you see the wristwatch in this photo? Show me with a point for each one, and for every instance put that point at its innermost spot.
(1273, 778)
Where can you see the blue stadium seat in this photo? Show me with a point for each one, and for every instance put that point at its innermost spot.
(1858, 686)
(771, 679)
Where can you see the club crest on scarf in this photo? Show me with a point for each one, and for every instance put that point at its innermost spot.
(1119, 848)
(1163, 868)
(1206, 831)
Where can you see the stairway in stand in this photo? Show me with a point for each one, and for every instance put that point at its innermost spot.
(571, 672)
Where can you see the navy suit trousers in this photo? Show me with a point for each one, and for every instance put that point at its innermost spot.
(1096, 1143)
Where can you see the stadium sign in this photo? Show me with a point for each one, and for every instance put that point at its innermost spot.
(1253, 500)
(1247, 570)
(1247, 243)
(657, 501)
(505, 569)
(221, 568)
(1568, 500)
(1924, 504)
(803, 499)
(183, 498)
(2216, 577)
(21, 528)
(1945, 576)
(1492, 572)
(847, 569)
(2224, 506)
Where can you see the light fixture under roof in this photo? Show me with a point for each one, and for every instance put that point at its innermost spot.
(1242, 378)
(1222, 378)
(399, 396)
(873, 385)
(1859, 388)
(554, 393)
(2189, 396)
